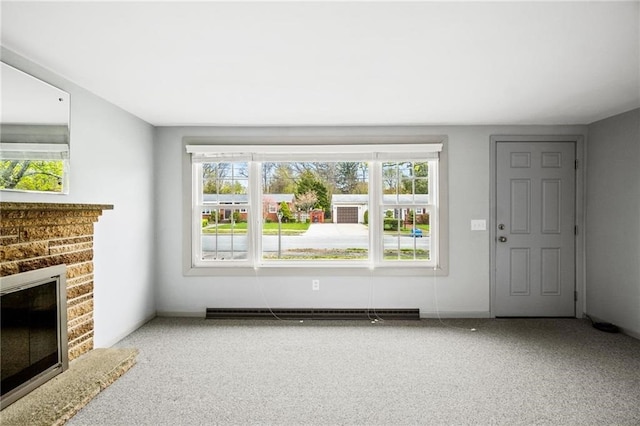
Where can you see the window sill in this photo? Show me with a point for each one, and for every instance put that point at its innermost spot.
(316, 270)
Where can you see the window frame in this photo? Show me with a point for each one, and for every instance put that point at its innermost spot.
(322, 148)
(428, 207)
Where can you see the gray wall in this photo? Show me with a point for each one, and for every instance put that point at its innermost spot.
(613, 220)
(111, 163)
(465, 292)
(114, 155)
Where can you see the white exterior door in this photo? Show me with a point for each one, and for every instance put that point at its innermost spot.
(535, 219)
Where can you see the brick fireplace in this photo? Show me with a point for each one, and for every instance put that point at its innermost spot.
(39, 235)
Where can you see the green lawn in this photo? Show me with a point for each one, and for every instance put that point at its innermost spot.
(267, 228)
(287, 229)
(346, 254)
(320, 254)
(407, 230)
(406, 254)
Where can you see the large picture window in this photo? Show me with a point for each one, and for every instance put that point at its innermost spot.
(315, 205)
(308, 223)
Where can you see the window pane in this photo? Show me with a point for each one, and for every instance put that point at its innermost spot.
(390, 178)
(406, 234)
(225, 211)
(406, 229)
(420, 177)
(33, 175)
(410, 177)
(225, 183)
(315, 211)
(224, 233)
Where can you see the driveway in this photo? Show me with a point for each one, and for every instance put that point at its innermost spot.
(336, 230)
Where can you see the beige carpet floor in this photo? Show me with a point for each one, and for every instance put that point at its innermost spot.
(192, 371)
(60, 398)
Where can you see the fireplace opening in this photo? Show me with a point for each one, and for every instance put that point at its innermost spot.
(33, 330)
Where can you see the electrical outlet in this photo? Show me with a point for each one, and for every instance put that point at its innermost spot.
(478, 225)
(315, 285)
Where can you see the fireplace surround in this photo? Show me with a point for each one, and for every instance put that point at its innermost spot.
(34, 330)
(35, 236)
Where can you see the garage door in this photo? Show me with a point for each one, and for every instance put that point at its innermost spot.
(347, 215)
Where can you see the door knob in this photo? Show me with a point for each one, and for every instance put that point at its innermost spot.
(502, 239)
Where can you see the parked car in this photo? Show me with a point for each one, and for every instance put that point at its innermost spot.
(416, 233)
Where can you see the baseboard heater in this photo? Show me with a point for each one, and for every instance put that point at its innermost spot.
(313, 313)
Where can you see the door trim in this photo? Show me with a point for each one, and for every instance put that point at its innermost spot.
(580, 284)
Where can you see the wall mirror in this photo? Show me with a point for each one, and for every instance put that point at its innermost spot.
(34, 134)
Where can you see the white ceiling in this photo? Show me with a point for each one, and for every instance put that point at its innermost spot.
(333, 63)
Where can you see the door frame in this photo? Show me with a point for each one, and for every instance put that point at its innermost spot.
(580, 282)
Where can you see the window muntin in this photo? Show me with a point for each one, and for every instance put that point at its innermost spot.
(224, 236)
(406, 236)
(405, 210)
(224, 206)
(407, 183)
(225, 182)
(405, 179)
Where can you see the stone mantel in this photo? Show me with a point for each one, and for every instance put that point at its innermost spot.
(20, 206)
(38, 235)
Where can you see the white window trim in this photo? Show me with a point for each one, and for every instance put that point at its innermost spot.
(272, 148)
